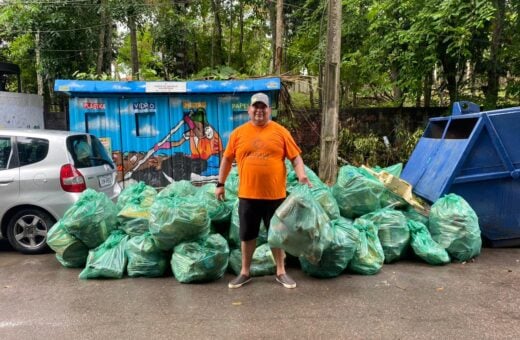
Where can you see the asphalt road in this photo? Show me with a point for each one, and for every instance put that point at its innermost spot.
(39, 299)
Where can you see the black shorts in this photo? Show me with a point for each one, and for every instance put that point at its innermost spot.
(251, 212)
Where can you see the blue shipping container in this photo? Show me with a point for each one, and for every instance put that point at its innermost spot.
(158, 132)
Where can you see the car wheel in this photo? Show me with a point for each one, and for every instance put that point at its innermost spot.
(27, 231)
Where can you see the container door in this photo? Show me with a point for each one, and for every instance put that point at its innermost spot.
(194, 139)
(144, 126)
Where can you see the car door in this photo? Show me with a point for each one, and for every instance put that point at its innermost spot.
(9, 174)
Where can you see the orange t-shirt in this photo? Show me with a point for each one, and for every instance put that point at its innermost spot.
(260, 152)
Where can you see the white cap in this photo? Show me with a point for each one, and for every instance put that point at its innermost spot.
(260, 98)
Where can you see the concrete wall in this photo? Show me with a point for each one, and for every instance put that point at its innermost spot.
(21, 110)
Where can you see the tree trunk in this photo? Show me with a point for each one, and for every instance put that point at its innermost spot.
(427, 89)
(108, 46)
(217, 36)
(329, 125)
(230, 50)
(278, 52)
(101, 38)
(241, 42)
(133, 47)
(39, 77)
(272, 23)
(396, 91)
(311, 92)
(493, 69)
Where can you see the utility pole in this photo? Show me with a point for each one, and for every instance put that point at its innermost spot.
(39, 76)
(329, 120)
(278, 38)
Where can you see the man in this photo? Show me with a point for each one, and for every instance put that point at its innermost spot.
(259, 147)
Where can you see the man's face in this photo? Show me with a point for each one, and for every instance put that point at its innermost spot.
(259, 114)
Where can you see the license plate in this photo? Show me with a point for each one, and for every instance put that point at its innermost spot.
(105, 180)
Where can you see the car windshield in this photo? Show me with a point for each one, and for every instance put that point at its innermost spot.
(87, 151)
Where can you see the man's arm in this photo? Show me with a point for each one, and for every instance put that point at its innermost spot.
(299, 168)
(225, 168)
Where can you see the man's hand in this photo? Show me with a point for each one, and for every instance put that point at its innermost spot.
(220, 193)
(305, 180)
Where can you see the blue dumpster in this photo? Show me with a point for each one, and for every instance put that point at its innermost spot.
(477, 156)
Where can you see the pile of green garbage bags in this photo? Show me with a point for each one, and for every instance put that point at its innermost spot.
(355, 226)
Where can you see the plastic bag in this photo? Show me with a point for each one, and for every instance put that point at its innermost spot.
(91, 218)
(300, 226)
(411, 214)
(134, 208)
(180, 188)
(338, 254)
(394, 170)
(424, 246)
(176, 220)
(108, 260)
(369, 256)
(262, 263)
(319, 190)
(357, 192)
(393, 233)
(200, 261)
(70, 251)
(454, 226)
(292, 178)
(134, 226)
(137, 194)
(144, 257)
(218, 211)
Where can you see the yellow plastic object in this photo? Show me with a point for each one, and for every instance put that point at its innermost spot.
(400, 188)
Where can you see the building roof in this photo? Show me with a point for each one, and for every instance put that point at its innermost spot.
(74, 87)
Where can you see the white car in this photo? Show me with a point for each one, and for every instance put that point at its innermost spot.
(42, 173)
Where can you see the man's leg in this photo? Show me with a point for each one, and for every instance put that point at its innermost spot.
(279, 259)
(249, 225)
(248, 249)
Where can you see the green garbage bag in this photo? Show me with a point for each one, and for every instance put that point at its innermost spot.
(200, 261)
(139, 194)
(357, 192)
(338, 254)
(411, 214)
(454, 226)
(178, 219)
(323, 196)
(319, 190)
(392, 231)
(134, 226)
(70, 251)
(424, 246)
(109, 259)
(231, 185)
(234, 230)
(144, 257)
(369, 256)
(292, 178)
(394, 170)
(180, 188)
(218, 211)
(91, 218)
(262, 263)
(300, 226)
(134, 208)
